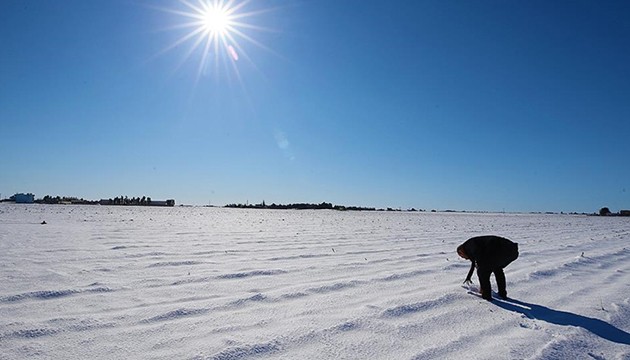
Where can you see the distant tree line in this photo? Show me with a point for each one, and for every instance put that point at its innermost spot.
(299, 206)
(65, 200)
(606, 212)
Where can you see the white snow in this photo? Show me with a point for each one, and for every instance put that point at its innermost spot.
(104, 282)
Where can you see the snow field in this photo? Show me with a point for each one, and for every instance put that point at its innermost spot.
(212, 283)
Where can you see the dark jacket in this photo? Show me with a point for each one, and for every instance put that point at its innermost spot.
(489, 252)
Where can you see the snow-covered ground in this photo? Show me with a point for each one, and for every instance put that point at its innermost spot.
(211, 283)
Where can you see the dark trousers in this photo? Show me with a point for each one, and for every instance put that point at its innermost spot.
(484, 282)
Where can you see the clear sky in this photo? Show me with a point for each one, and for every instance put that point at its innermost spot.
(465, 105)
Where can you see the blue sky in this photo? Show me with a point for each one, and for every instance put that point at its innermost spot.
(487, 105)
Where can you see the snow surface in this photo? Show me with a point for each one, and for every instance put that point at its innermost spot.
(212, 283)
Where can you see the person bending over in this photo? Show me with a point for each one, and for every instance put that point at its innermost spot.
(490, 254)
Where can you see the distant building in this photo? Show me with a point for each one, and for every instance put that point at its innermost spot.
(24, 198)
(624, 212)
(169, 202)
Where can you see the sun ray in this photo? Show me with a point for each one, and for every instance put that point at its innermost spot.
(196, 10)
(180, 41)
(253, 41)
(202, 64)
(189, 53)
(236, 24)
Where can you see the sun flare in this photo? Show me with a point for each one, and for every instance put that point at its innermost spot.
(214, 30)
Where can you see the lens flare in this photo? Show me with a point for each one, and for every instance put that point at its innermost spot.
(233, 53)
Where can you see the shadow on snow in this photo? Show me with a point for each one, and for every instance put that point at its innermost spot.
(596, 326)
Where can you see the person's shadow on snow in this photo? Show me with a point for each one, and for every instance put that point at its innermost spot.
(596, 326)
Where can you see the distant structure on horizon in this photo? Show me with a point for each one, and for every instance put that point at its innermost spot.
(22, 198)
(169, 202)
(29, 198)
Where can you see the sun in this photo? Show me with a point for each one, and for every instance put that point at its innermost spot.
(216, 20)
(215, 30)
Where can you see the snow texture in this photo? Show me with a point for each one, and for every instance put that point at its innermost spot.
(101, 282)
